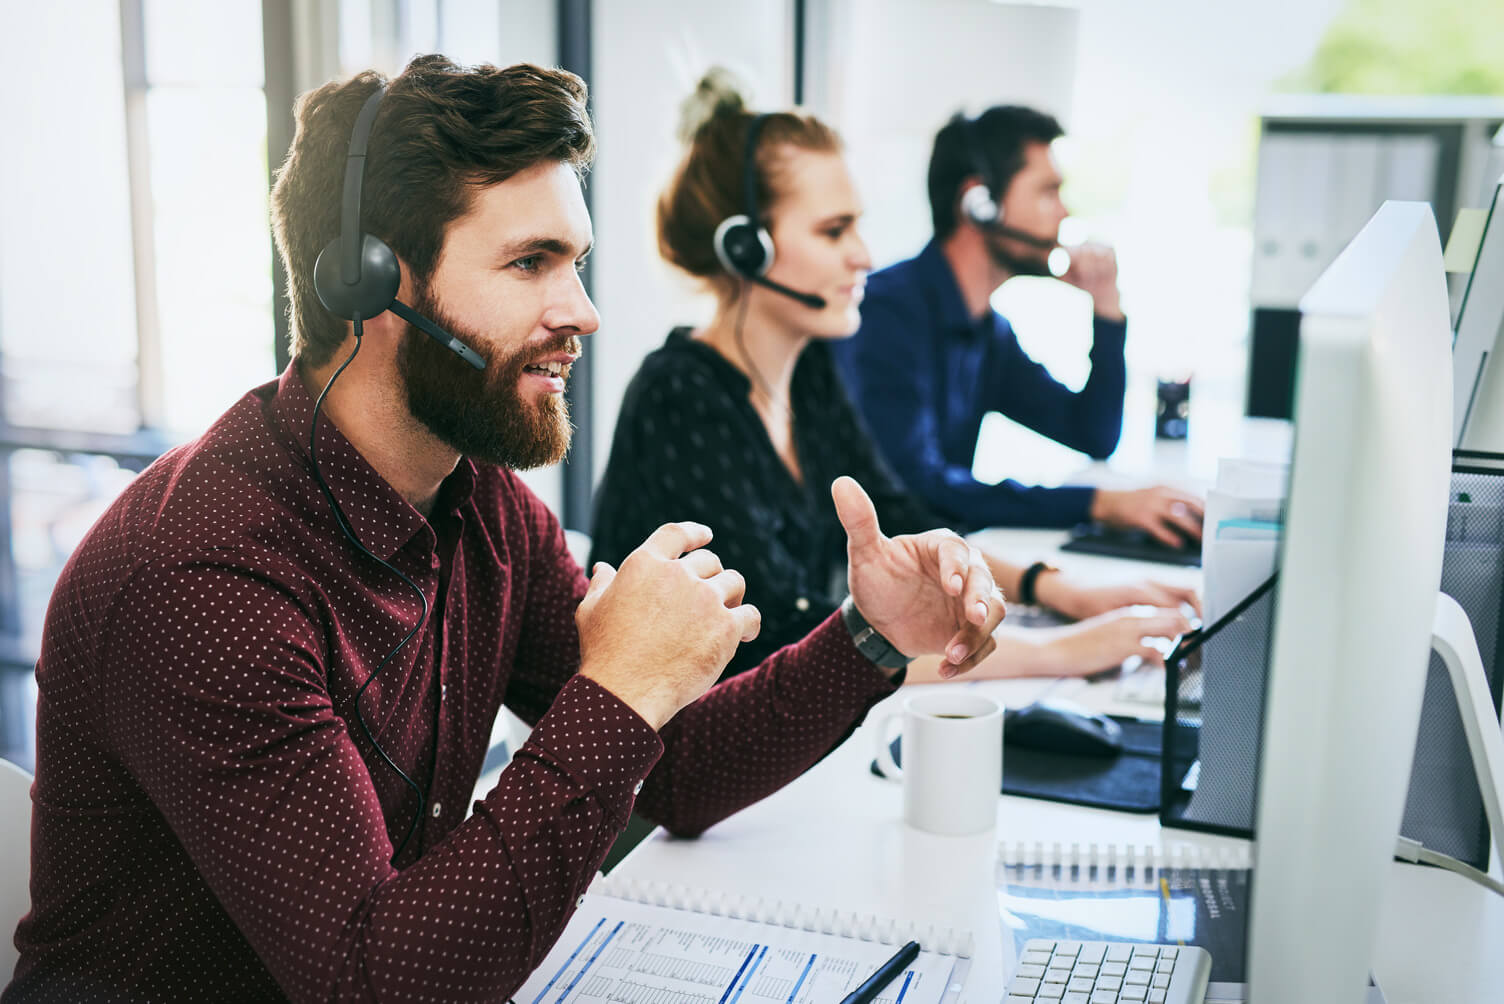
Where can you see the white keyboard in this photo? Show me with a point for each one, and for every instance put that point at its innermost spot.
(1146, 686)
(1106, 972)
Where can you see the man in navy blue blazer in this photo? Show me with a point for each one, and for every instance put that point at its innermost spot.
(932, 356)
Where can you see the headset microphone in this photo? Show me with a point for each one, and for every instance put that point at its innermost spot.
(437, 333)
(357, 275)
(742, 244)
(808, 299)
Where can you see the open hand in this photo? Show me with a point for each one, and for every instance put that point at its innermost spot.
(926, 593)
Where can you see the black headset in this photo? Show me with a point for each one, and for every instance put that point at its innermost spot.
(357, 276)
(978, 204)
(742, 243)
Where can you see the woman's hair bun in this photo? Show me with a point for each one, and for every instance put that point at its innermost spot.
(718, 93)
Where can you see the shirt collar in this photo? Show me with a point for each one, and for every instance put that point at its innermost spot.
(382, 519)
(944, 291)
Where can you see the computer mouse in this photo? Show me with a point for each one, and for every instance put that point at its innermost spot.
(1060, 727)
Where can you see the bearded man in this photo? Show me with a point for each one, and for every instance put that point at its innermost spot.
(270, 672)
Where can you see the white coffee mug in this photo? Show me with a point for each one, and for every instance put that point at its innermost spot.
(952, 761)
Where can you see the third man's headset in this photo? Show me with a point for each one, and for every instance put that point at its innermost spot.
(357, 276)
(742, 243)
(978, 203)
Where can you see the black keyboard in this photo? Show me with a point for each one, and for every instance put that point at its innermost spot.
(1135, 545)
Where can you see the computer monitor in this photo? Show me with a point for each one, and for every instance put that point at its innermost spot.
(1361, 565)
(1478, 405)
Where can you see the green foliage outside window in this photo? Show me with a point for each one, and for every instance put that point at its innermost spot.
(1408, 47)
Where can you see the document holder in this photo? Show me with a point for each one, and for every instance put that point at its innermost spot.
(1215, 687)
(1213, 727)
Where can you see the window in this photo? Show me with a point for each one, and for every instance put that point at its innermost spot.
(205, 122)
(135, 271)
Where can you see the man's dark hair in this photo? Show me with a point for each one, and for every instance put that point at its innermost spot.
(442, 131)
(999, 137)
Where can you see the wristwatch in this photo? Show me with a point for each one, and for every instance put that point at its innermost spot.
(868, 642)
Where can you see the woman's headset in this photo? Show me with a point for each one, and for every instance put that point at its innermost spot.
(742, 244)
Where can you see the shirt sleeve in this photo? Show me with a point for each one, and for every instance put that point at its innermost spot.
(896, 384)
(255, 772)
(1089, 420)
(753, 733)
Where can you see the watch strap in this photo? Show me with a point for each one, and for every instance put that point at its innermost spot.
(868, 641)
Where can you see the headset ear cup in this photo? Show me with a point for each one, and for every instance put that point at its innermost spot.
(743, 248)
(371, 294)
(979, 207)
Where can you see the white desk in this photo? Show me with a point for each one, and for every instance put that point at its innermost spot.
(835, 837)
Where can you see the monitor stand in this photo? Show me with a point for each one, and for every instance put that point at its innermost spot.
(1452, 638)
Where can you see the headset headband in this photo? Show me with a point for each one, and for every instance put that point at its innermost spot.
(355, 166)
(972, 141)
(749, 172)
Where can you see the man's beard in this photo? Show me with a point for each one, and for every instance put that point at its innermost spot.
(1032, 262)
(480, 413)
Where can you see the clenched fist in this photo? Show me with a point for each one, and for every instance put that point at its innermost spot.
(658, 631)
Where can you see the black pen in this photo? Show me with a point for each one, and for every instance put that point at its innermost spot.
(886, 973)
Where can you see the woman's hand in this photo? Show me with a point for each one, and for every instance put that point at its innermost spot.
(1061, 593)
(1104, 641)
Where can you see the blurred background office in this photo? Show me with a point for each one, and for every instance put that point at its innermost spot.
(1228, 151)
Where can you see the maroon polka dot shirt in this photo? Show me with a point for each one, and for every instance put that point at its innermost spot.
(210, 823)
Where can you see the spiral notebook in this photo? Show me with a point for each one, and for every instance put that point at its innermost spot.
(1123, 893)
(652, 943)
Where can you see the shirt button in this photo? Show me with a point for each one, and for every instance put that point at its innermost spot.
(637, 788)
(801, 604)
(437, 808)
(580, 902)
(443, 690)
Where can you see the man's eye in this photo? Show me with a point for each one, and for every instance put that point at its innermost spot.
(579, 266)
(836, 233)
(528, 264)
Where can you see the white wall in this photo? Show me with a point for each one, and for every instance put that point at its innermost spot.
(889, 73)
(647, 56)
